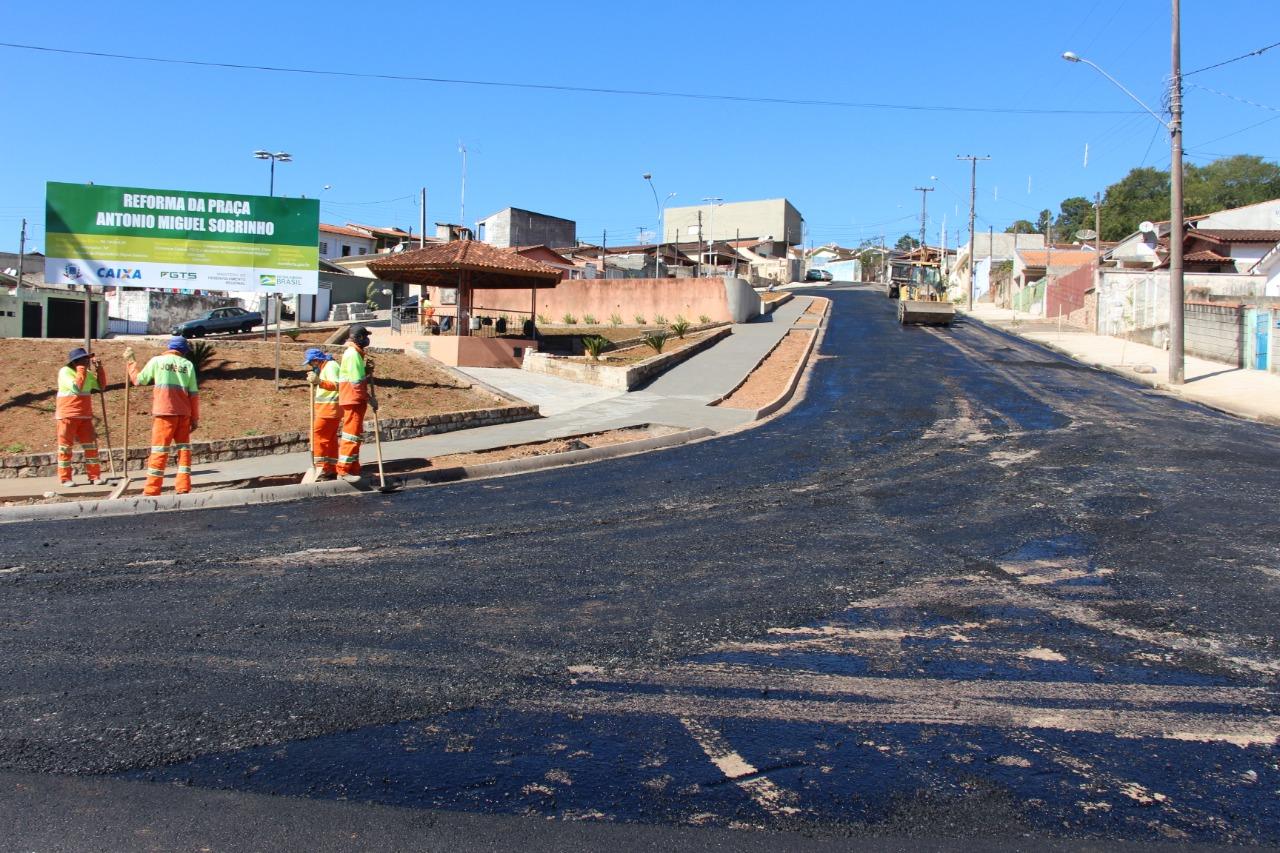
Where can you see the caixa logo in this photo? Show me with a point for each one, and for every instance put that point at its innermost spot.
(71, 272)
(178, 274)
(115, 272)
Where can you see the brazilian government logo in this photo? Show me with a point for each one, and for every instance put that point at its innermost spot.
(267, 280)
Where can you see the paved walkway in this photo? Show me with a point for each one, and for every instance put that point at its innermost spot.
(677, 398)
(1247, 393)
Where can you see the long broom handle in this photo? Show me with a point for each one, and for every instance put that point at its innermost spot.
(106, 429)
(127, 383)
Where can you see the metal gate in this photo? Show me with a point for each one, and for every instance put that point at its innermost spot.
(1262, 340)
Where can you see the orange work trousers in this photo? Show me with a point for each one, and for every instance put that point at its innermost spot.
(351, 438)
(167, 430)
(73, 431)
(324, 443)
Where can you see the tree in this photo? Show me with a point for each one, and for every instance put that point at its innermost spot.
(906, 243)
(1076, 215)
(1230, 182)
(1043, 221)
(1141, 194)
(1021, 226)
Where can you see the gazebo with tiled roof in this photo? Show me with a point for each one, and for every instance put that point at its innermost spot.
(469, 265)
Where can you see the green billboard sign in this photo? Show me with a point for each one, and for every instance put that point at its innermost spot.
(178, 239)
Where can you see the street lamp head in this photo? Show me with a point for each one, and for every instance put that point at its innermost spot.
(262, 155)
(283, 157)
(1070, 56)
(647, 176)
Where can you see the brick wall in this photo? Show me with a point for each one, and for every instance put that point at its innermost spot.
(1066, 294)
(1214, 332)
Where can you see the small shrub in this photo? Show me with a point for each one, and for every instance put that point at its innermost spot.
(680, 318)
(659, 319)
(656, 341)
(569, 319)
(615, 320)
(371, 296)
(639, 319)
(200, 354)
(291, 334)
(589, 319)
(680, 327)
(544, 319)
(704, 319)
(14, 447)
(595, 344)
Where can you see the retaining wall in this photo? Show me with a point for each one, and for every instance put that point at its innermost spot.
(617, 376)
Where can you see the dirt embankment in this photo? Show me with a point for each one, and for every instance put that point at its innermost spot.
(238, 396)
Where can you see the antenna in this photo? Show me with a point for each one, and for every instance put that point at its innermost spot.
(462, 207)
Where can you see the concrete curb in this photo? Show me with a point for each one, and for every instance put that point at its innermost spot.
(553, 460)
(1128, 375)
(801, 366)
(283, 494)
(781, 400)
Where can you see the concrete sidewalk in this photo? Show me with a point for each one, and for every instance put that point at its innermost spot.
(1253, 394)
(677, 398)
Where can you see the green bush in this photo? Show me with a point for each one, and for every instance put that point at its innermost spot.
(291, 334)
(659, 319)
(569, 319)
(595, 344)
(200, 354)
(615, 320)
(656, 341)
(544, 319)
(704, 319)
(680, 318)
(639, 319)
(371, 296)
(589, 319)
(680, 327)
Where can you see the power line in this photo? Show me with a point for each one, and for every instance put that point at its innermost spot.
(597, 90)
(1257, 52)
(1236, 98)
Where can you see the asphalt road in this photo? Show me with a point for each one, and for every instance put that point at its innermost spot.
(965, 589)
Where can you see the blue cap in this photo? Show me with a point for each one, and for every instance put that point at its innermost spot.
(315, 354)
(76, 354)
(178, 343)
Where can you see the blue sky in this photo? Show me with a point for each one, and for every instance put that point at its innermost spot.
(849, 170)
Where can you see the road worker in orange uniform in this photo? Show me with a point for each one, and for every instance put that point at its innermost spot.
(323, 379)
(353, 398)
(77, 380)
(175, 411)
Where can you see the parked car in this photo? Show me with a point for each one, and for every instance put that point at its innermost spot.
(232, 319)
(818, 275)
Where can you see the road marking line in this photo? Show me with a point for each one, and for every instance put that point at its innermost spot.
(766, 794)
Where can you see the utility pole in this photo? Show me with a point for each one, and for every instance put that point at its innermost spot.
(422, 220)
(991, 240)
(737, 238)
(713, 201)
(1176, 224)
(22, 250)
(604, 243)
(698, 268)
(924, 208)
(973, 200)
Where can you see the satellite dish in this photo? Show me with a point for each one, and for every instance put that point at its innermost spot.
(398, 247)
(1086, 234)
(1147, 227)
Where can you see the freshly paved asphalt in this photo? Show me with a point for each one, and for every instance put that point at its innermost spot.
(965, 590)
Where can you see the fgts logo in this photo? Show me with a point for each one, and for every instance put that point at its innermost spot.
(181, 276)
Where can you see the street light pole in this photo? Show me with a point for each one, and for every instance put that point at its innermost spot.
(283, 157)
(1176, 219)
(1176, 225)
(711, 241)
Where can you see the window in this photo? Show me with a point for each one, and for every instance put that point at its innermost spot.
(324, 247)
(363, 250)
(346, 250)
